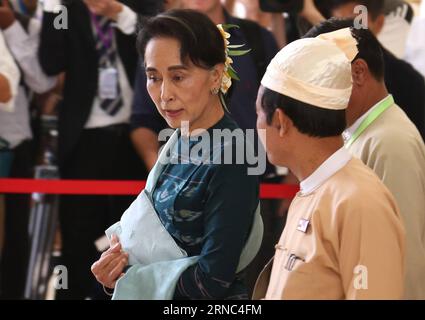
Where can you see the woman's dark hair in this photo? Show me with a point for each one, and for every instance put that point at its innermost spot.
(201, 41)
(369, 47)
(309, 120)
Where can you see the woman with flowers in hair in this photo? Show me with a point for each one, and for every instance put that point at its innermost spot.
(210, 208)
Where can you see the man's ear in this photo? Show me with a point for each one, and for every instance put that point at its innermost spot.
(281, 122)
(359, 70)
(377, 25)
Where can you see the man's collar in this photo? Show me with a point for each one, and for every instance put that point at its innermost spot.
(326, 170)
(349, 132)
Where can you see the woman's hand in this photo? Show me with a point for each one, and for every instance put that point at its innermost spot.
(109, 268)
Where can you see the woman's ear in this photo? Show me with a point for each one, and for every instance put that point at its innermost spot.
(217, 75)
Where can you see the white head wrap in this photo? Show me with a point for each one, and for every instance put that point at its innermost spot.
(344, 40)
(313, 71)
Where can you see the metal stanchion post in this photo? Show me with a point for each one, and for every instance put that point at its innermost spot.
(43, 219)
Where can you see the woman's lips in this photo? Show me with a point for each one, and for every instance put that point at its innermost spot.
(173, 113)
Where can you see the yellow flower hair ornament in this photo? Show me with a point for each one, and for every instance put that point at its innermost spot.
(231, 51)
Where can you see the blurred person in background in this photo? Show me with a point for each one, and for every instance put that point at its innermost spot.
(21, 34)
(398, 22)
(251, 10)
(9, 81)
(394, 21)
(415, 50)
(9, 77)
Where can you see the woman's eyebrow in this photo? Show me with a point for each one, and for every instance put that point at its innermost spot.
(177, 67)
(172, 68)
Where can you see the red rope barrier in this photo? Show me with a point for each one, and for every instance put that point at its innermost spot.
(104, 187)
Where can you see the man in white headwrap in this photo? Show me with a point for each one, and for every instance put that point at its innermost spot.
(344, 238)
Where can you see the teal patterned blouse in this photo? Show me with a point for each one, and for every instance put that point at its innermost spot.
(209, 210)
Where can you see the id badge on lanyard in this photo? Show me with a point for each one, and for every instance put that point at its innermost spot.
(108, 75)
(108, 83)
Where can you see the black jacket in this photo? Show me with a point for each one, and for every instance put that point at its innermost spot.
(73, 51)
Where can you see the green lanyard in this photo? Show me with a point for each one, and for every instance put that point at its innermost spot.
(384, 105)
